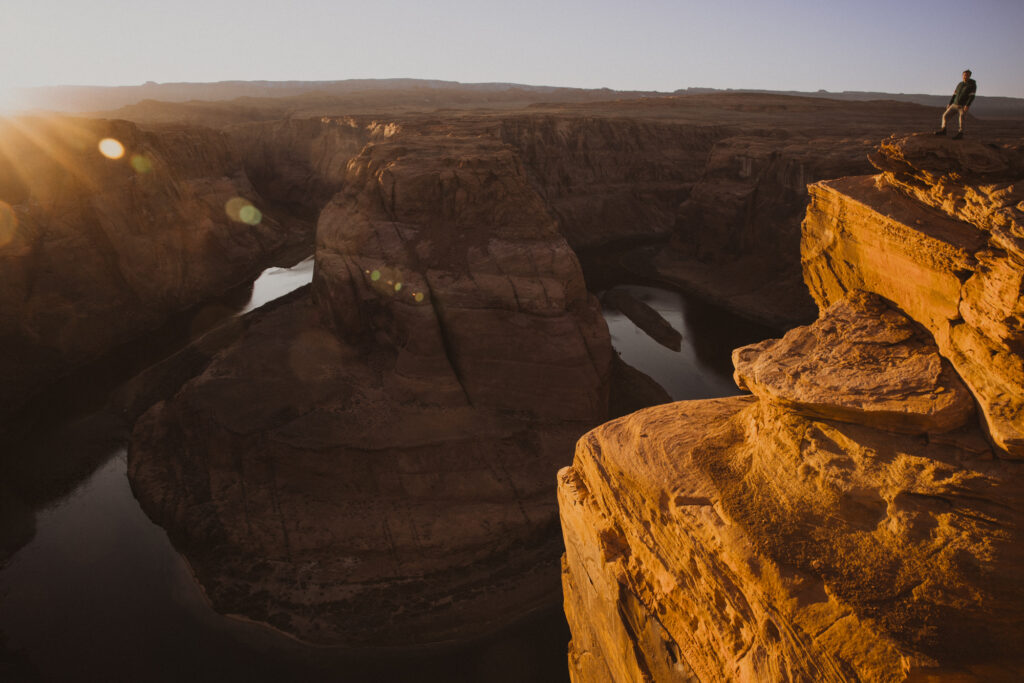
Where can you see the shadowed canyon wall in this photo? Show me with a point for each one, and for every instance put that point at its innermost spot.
(858, 517)
(105, 251)
(96, 251)
(392, 483)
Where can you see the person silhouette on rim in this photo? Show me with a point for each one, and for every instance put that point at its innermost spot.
(960, 102)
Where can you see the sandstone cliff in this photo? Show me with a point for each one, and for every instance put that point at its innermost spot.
(301, 163)
(611, 178)
(97, 250)
(375, 465)
(940, 233)
(858, 517)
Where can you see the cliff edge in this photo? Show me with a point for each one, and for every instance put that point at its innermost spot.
(857, 518)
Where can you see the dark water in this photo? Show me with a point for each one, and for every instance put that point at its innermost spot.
(92, 590)
(702, 368)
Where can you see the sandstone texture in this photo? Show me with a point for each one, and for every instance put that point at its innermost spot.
(938, 233)
(301, 163)
(375, 465)
(96, 251)
(734, 539)
(610, 178)
(858, 517)
(860, 362)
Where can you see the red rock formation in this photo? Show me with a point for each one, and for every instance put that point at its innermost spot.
(609, 178)
(96, 250)
(301, 163)
(940, 233)
(386, 477)
(848, 522)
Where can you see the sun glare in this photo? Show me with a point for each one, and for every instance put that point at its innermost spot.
(111, 148)
(8, 223)
(141, 164)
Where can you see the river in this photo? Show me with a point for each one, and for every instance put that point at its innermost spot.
(91, 589)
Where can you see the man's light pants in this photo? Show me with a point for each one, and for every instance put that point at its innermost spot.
(959, 108)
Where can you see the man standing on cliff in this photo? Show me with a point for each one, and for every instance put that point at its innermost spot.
(960, 101)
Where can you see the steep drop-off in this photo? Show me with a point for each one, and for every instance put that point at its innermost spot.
(606, 179)
(375, 466)
(301, 163)
(857, 518)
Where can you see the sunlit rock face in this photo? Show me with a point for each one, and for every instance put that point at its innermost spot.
(856, 518)
(96, 249)
(940, 233)
(376, 466)
(860, 362)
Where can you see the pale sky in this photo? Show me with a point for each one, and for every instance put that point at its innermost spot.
(912, 46)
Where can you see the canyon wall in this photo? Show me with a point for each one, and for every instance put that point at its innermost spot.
(301, 163)
(375, 465)
(106, 249)
(607, 179)
(857, 517)
(97, 250)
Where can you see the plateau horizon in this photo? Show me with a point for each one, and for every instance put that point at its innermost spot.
(874, 46)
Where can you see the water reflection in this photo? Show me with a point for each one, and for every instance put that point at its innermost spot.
(276, 282)
(702, 368)
(93, 590)
(101, 594)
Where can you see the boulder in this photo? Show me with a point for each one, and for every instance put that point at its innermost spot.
(860, 362)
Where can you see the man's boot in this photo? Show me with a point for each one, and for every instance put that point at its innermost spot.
(941, 131)
(958, 135)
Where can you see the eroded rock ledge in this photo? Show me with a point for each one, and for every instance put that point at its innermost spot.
(940, 233)
(856, 519)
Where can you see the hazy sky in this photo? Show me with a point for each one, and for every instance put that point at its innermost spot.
(882, 45)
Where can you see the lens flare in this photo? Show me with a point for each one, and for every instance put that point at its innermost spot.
(241, 210)
(250, 215)
(375, 275)
(398, 286)
(141, 164)
(8, 223)
(418, 296)
(111, 148)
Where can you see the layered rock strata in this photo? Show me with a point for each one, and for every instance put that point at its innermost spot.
(97, 250)
(301, 163)
(609, 178)
(849, 521)
(940, 233)
(375, 465)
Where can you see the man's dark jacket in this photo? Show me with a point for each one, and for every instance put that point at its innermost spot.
(964, 93)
